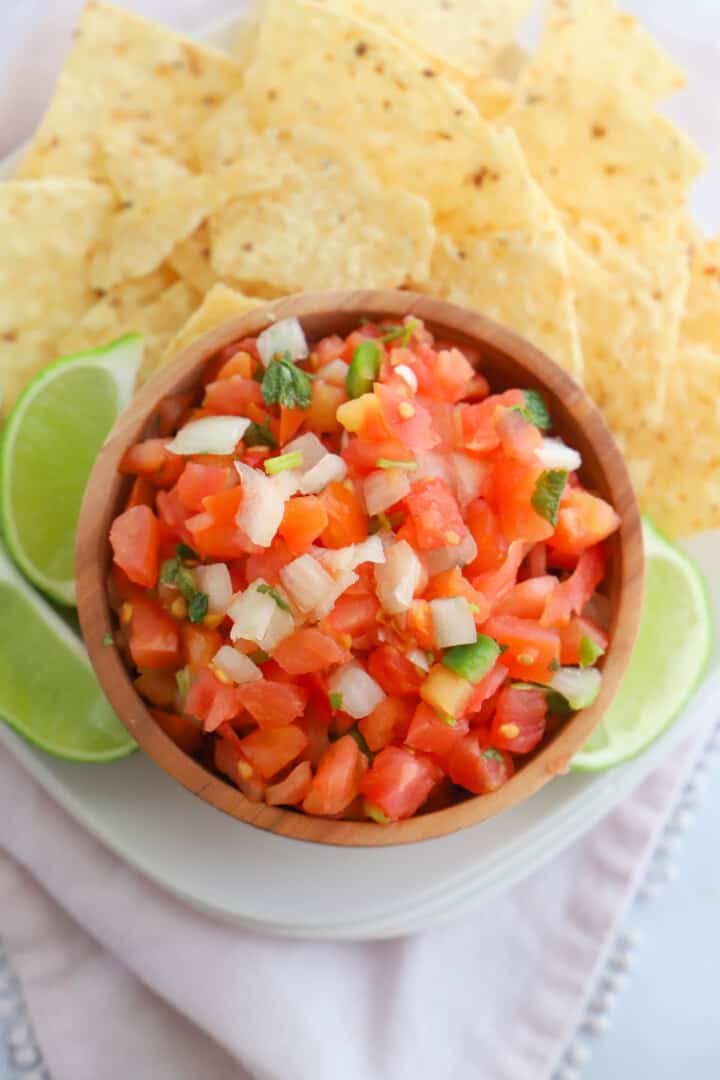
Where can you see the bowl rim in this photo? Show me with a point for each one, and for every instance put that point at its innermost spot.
(99, 507)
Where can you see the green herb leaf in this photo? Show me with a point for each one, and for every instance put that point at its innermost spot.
(183, 678)
(186, 553)
(386, 463)
(363, 747)
(364, 369)
(590, 651)
(197, 607)
(260, 435)
(172, 572)
(492, 754)
(402, 333)
(278, 464)
(336, 702)
(548, 492)
(286, 384)
(536, 410)
(271, 591)
(375, 813)
(259, 656)
(108, 640)
(168, 571)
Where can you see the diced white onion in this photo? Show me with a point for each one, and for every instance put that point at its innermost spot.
(280, 337)
(281, 625)
(397, 579)
(554, 454)
(453, 622)
(311, 448)
(342, 560)
(579, 686)
(437, 560)
(418, 658)
(257, 617)
(306, 581)
(211, 435)
(335, 372)
(287, 482)
(383, 488)
(240, 668)
(214, 580)
(470, 475)
(408, 376)
(341, 583)
(328, 469)
(359, 692)
(370, 550)
(433, 466)
(262, 507)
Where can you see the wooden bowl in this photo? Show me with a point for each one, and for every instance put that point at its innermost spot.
(507, 360)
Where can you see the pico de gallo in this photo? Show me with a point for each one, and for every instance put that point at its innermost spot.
(353, 579)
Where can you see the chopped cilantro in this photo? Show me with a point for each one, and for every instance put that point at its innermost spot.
(535, 410)
(186, 553)
(260, 435)
(402, 333)
(548, 492)
(492, 754)
(363, 747)
(271, 591)
(197, 607)
(286, 384)
(336, 702)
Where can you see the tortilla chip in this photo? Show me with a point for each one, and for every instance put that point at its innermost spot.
(329, 224)
(676, 471)
(133, 168)
(123, 70)
(589, 38)
(701, 324)
(219, 141)
(190, 260)
(219, 305)
(144, 231)
(48, 227)
(519, 278)
(154, 306)
(603, 155)
(380, 100)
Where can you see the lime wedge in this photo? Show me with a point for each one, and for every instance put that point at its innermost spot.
(48, 691)
(52, 438)
(670, 658)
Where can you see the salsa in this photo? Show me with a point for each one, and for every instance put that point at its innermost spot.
(355, 580)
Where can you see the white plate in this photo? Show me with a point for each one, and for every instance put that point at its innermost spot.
(279, 886)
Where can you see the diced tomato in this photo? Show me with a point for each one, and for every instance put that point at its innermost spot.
(452, 583)
(363, 333)
(291, 421)
(492, 546)
(173, 410)
(435, 514)
(571, 595)
(271, 751)
(532, 650)
(429, 733)
(354, 614)
(135, 540)
(478, 431)
(329, 349)
(347, 520)
(240, 363)
(214, 532)
(268, 563)
(199, 481)
(231, 761)
(496, 584)
(154, 639)
(572, 634)
(388, 722)
(122, 590)
(141, 494)
(157, 687)
(173, 514)
(583, 521)
(420, 625)
(326, 399)
(337, 779)
(528, 598)
(308, 649)
(398, 782)
(293, 789)
(305, 519)
(519, 721)
(518, 437)
(181, 729)
(363, 456)
(477, 389)
(450, 374)
(407, 420)
(144, 458)
(273, 704)
(395, 673)
(479, 768)
(486, 688)
(315, 724)
(560, 560)
(211, 701)
(231, 397)
(537, 561)
(514, 489)
(199, 644)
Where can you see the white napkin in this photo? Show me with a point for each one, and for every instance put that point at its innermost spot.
(123, 981)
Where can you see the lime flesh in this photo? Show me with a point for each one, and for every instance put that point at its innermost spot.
(671, 656)
(48, 691)
(50, 444)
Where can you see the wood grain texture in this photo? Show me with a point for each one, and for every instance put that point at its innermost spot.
(507, 360)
